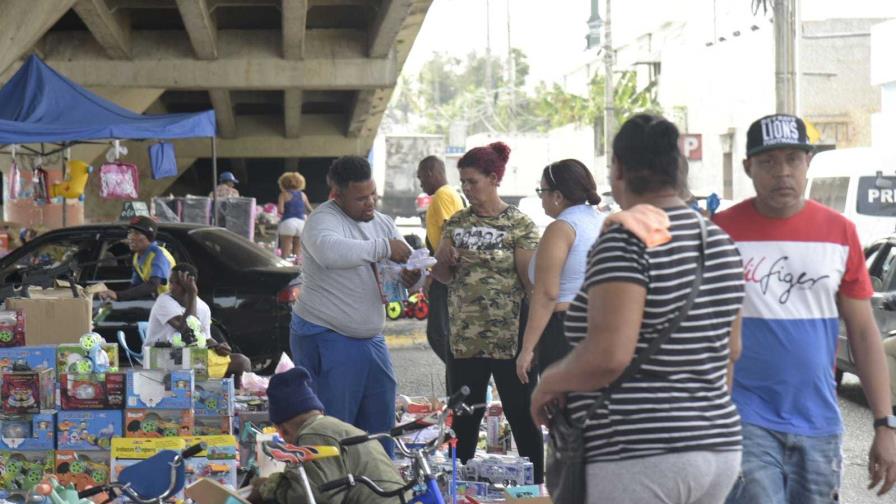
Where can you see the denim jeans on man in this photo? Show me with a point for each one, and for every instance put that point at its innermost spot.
(352, 376)
(780, 468)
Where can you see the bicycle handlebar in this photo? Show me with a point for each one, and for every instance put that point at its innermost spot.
(126, 490)
(90, 492)
(350, 481)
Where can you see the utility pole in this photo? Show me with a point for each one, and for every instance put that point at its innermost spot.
(609, 102)
(511, 74)
(785, 41)
(488, 54)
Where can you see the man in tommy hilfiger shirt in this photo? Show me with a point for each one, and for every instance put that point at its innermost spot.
(804, 271)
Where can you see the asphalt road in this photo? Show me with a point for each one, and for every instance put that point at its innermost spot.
(420, 372)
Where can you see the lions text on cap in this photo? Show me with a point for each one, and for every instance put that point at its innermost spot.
(780, 129)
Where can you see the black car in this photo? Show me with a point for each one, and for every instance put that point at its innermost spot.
(249, 290)
(881, 263)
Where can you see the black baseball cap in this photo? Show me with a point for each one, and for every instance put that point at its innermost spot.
(777, 131)
(145, 225)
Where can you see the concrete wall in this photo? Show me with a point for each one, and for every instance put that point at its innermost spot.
(883, 74)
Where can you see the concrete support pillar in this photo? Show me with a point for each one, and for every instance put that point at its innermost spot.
(23, 23)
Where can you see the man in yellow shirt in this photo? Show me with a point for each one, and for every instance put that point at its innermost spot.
(444, 203)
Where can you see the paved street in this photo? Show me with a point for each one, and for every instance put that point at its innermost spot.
(420, 372)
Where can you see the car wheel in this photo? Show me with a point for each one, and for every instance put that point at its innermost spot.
(838, 377)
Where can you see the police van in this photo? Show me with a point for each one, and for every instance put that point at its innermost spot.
(861, 184)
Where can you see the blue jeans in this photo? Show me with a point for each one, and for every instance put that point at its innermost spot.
(352, 377)
(780, 468)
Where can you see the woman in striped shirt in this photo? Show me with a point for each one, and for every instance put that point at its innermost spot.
(670, 433)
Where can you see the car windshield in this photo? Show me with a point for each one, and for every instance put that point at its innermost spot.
(236, 251)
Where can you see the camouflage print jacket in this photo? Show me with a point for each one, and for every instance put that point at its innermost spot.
(485, 295)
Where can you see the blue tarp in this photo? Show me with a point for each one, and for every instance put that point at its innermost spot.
(40, 105)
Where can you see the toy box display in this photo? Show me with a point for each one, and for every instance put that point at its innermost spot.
(156, 423)
(82, 469)
(25, 469)
(177, 358)
(212, 425)
(247, 424)
(27, 432)
(160, 389)
(12, 328)
(31, 357)
(218, 462)
(87, 430)
(214, 397)
(92, 391)
(28, 391)
(84, 358)
(128, 451)
(507, 470)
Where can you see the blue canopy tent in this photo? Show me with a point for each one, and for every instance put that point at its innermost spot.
(38, 105)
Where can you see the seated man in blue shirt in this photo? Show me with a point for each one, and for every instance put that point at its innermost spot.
(152, 263)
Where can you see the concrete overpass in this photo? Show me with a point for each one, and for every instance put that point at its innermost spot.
(288, 79)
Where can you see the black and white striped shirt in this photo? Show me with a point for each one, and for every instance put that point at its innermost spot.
(678, 401)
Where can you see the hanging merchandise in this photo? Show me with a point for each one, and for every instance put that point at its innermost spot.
(16, 184)
(163, 161)
(41, 186)
(119, 180)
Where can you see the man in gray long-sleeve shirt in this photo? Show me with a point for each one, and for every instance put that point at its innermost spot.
(337, 323)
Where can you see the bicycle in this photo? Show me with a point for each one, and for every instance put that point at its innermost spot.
(423, 475)
(134, 485)
(295, 458)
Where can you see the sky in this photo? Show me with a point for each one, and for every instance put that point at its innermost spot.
(551, 33)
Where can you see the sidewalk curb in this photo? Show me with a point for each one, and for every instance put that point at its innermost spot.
(396, 341)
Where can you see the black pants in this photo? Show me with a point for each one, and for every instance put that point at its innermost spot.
(515, 395)
(437, 327)
(553, 345)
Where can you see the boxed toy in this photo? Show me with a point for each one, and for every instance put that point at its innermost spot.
(247, 424)
(155, 423)
(212, 425)
(28, 391)
(92, 391)
(87, 430)
(214, 397)
(82, 469)
(25, 469)
(177, 358)
(76, 358)
(160, 389)
(218, 462)
(508, 470)
(27, 432)
(12, 328)
(128, 451)
(32, 357)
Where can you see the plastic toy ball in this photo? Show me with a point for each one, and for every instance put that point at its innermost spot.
(212, 404)
(5, 336)
(169, 432)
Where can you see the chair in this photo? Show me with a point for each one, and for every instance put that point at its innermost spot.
(130, 354)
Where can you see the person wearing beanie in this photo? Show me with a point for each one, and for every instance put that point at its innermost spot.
(299, 416)
(483, 256)
(152, 263)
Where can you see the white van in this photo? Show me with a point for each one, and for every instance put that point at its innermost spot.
(861, 184)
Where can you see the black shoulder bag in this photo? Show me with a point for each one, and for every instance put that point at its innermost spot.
(565, 459)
